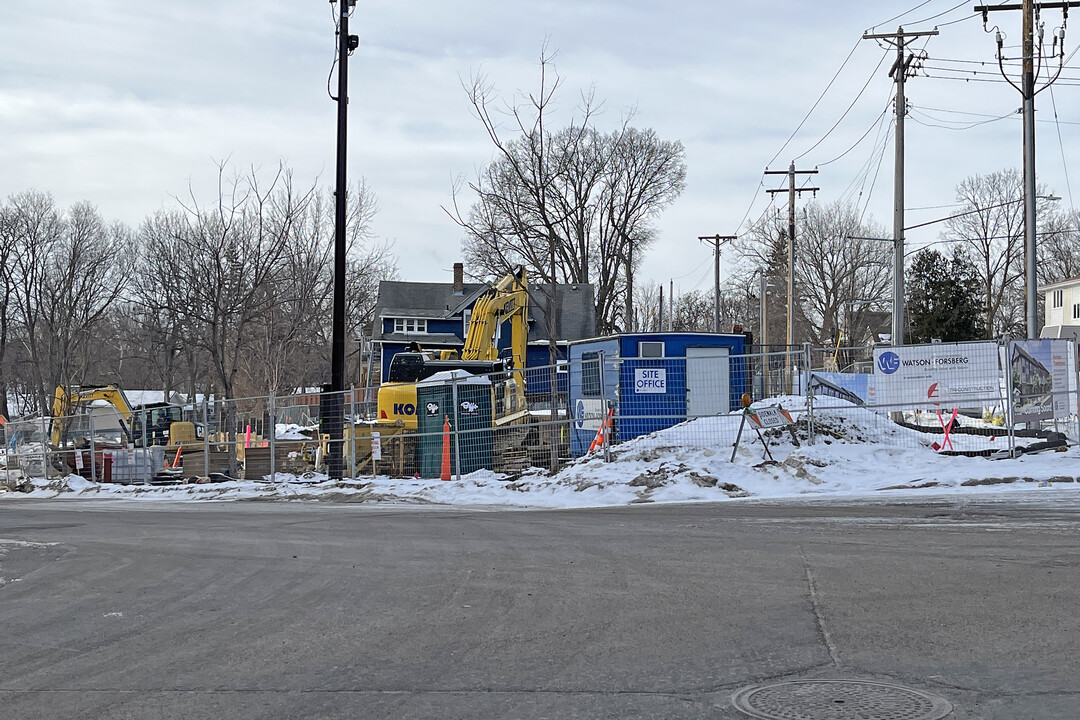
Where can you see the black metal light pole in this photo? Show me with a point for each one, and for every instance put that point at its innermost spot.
(333, 425)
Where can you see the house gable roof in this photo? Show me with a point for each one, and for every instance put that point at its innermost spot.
(575, 310)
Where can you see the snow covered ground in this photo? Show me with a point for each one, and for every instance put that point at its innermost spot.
(861, 455)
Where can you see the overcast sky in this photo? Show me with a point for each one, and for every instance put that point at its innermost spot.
(126, 104)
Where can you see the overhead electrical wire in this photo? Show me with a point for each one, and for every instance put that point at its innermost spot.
(942, 13)
(870, 192)
(1061, 145)
(906, 12)
(816, 103)
(858, 182)
(845, 113)
(969, 126)
(877, 121)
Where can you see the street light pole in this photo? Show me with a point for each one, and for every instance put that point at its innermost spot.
(334, 424)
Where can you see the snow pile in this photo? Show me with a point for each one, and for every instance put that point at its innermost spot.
(857, 453)
(292, 431)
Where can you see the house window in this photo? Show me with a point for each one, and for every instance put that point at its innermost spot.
(410, 325)
(590, 374)
(1076, 311)
(1059, 299)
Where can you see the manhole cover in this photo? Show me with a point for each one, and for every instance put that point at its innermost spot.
(838, 700)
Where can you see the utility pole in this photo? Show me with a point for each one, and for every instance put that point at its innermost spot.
(905, 64)
(717, 240)
(671, 304)
(1030, 10)
(336, 422)
(763, 330)
(791, 190)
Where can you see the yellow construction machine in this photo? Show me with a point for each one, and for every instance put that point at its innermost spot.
(506, 301)
(150, 424)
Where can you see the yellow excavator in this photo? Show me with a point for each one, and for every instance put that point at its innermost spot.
(151, 424)
(506, 301)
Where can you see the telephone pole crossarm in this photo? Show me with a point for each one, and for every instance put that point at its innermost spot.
(904, 65)
(716, 241)
(792, 192)
(1031, 28)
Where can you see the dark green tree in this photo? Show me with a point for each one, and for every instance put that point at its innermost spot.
(944, 298)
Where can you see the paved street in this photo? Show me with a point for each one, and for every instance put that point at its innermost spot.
(258, 610)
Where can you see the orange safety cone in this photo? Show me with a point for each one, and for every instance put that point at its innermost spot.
(601, 438)
(446, 448)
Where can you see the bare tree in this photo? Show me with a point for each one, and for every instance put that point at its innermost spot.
(838, 263)
(647, 307)
(692, 312)
(229, 255)
(292, 340)
(573, 205)
(991, 223)
(1059, 247)
(68, 274)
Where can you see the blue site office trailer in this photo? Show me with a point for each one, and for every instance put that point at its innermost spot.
(655, 380)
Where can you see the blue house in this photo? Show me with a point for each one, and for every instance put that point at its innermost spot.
(654, 380)
(437, 315)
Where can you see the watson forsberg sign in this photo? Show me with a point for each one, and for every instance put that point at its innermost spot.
(945, 373)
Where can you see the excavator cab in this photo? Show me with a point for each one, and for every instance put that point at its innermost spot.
(164, 424)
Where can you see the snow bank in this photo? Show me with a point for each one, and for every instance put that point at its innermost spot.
(857, 453)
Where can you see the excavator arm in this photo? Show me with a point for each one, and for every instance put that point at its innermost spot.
(66, 402)
(506, 300)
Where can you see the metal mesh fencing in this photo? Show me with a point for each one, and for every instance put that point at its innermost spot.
(989, 399)
(992, 399)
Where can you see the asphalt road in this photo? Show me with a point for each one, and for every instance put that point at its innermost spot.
(255, 610)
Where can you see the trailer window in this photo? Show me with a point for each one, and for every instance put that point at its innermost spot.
(650, 349)
(590, 374)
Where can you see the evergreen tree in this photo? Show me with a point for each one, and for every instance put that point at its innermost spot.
(943, 298)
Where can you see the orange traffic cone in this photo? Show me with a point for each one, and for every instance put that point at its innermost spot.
(446, 448)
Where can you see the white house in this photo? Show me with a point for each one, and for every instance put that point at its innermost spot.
(1062, 309)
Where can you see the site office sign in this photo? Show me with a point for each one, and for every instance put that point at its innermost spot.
(920, 376)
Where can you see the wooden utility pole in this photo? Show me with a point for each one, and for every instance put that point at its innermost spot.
(791, 190)
(1029, 9)
(902, 67)
(716, 240)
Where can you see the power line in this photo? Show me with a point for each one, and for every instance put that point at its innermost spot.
(1061, 145)
(876, 123)
(943, 12)
(969, 126)
(816, 103)
(906, 12)
(845, 114)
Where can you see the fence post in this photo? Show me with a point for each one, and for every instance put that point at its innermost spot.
(1009, 397)
(1075, 384)
(273, 436)
(206, 434)
(45, 437)
(456, 429)
(809, 390)
(604, 420)
(352, 432)
(93, 455)
(11, 438)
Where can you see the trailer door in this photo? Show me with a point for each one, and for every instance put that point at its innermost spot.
(708, 381)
